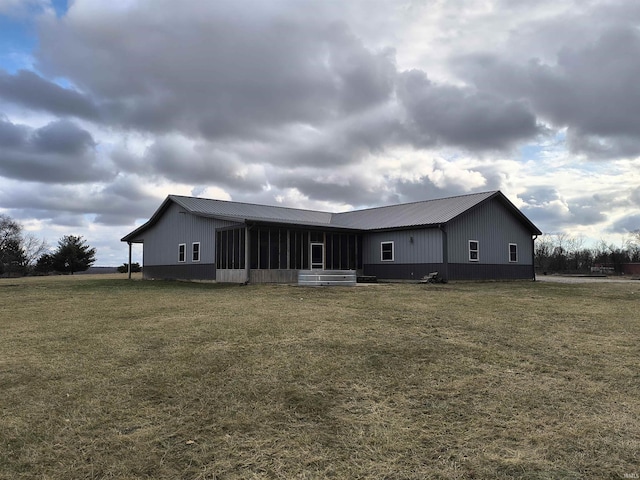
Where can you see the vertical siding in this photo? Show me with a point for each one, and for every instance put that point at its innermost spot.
(175, 227)
(494, 227)
(410, 246)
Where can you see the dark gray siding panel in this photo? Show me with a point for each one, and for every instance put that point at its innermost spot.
(175, 227)
(477, 271)
(411, 246)
(193, 271)
(402, 271)
(494, 227)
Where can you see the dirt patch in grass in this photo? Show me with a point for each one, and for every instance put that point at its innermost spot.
(109, 378)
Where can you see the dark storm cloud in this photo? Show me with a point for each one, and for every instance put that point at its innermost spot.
(545, 205)
(119, 203)
(193, 163)
(591, 89)
(30, 90)
(226, 72)
(629, 223)
(216, 70)
(456, 116)
(60, 152)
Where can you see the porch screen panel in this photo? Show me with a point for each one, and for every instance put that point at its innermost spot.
(255, 247)
(284, 250)
(344, 252)
(218, 250)
(294, 260)
(241, 248)
(236, 249)
(274, 243)
(264, 249)
(352, 252)
(306, 245)
(328, 252)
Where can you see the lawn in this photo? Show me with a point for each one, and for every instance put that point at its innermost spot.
(104, 378)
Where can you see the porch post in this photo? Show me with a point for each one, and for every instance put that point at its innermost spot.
(129, 269)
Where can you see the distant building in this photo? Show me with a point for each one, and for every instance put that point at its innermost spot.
(468, 237)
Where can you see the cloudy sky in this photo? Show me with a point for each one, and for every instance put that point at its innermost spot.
(107, 107)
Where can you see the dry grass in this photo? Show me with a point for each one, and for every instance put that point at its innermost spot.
(106, 378)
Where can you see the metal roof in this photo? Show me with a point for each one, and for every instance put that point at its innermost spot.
(428, 212)
(252, 212)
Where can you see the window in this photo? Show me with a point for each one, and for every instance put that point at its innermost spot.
(386, 251)
(181, 252)
(513, 252)
(474, 251)
(195, 252)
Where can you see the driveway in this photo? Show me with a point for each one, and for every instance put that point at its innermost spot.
(583, 279)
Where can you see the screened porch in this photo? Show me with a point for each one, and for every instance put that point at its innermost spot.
(276, 254)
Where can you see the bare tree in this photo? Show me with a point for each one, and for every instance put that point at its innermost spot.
(9, 230)
(34, 248)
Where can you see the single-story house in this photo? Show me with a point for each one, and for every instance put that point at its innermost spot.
(467, 237)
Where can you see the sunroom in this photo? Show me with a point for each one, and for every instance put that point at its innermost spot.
(268, 253)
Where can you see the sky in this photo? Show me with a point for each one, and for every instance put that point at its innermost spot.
(108, 107)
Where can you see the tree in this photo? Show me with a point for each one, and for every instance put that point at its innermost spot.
(124, 268)
(13, 261)
(44, 264)
(10, 251)
(33, 248)
(73, 255)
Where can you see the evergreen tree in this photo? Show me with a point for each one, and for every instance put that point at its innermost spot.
(13, 261)
(44, 263)
(73, 255)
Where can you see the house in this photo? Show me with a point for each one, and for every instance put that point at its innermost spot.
(468, 237)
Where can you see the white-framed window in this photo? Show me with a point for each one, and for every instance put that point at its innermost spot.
(513, 252)
(474, 250)
(387, 253)
(182, 252)
(195, 252)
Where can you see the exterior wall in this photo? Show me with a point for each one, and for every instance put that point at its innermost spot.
(202, 271)
(410, 246)
(463, 271)
(402, 271)
(160, 250)
(231, 276)
(417, 252)
(273, 276)
(494, 227)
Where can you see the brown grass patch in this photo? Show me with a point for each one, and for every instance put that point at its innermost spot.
(107, 378)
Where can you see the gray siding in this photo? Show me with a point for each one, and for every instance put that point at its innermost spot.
(402, 271)
(194, 271)
(175, 227)
(426, 246)
(494, 227)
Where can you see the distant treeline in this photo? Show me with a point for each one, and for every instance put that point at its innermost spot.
(563, 253)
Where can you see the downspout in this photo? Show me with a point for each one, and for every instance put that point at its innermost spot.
(129, 243)
(533, 256)
(445, 251)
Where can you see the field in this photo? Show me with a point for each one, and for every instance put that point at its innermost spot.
(104, 378)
